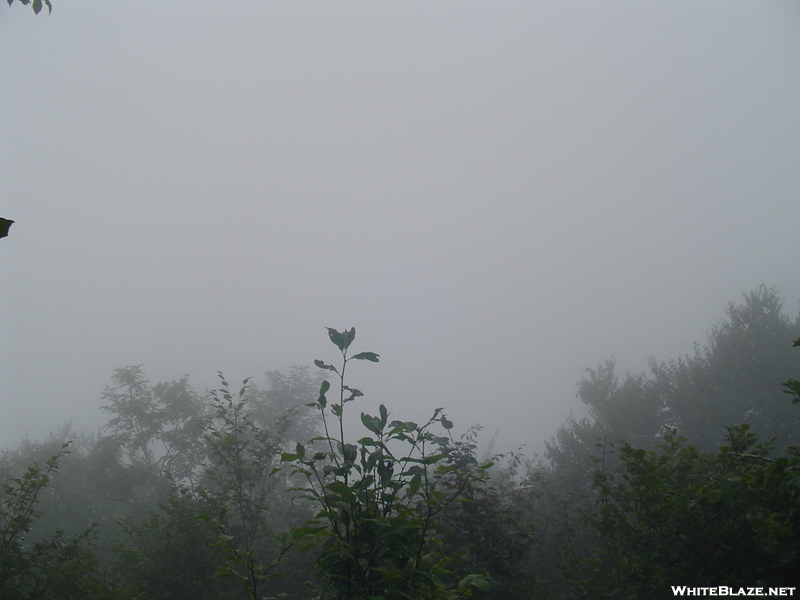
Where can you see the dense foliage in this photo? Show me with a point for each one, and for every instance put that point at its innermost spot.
(57, 566)
(687, 475)
(734, 379)
(679, 514)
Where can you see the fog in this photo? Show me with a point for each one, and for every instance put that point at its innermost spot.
(496, 195)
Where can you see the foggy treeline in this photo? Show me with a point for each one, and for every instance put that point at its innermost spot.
(686, 474)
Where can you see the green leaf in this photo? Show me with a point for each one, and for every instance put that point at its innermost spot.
(348, 337)
(244, 387)
(403, 426)
(373, 458)
(349, 452)
(354, 393)
(793, 386)
(309, 531)
(340, 488)
(446, 423)
(474, 580)
(337, 338)
(370, 356)
(325, 366)
(323, 388)
(371, 423)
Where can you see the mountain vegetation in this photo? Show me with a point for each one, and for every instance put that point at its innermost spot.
(686, 475)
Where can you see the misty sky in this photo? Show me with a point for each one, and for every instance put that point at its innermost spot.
(496, 194)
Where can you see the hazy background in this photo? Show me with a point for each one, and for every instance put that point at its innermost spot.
(495, 194)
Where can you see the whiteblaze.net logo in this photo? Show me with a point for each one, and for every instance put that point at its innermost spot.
(724, 590)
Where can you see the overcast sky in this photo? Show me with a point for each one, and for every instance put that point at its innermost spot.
(496, 194)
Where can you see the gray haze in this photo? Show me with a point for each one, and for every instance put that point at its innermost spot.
(495, 194)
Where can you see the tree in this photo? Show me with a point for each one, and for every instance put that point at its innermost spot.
(286, 400)
(238, 481)
(732, 380)
(59, 566)
(212, 455)
(169, 553)
(680, 515)
(631, 409)
(156, 426)
(161, 426)
(675, 512)
(486, 529)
